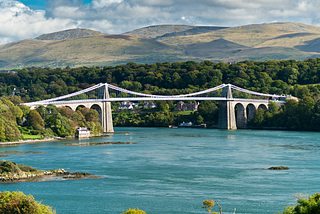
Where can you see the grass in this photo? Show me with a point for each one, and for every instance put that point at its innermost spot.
(184, 112)
(28, 137)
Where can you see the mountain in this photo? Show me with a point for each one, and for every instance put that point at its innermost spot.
(68, 34)
(84, 47)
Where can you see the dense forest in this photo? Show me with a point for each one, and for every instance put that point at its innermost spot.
(299, 78)
(274, 77)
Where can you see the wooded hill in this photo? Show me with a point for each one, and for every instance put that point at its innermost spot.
(165, 43)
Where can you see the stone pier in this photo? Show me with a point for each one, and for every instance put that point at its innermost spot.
(227, 118)
(106, 114)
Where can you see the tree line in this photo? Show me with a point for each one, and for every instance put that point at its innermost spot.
(299, 78)
(271, 76)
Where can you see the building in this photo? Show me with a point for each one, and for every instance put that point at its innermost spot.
(16, 91)
(186, 124)
(82, 132)
(181, 106)
(149, 105)
(127, 105)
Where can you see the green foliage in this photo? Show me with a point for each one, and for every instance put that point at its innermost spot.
(134, 211)
(310, 205)
(8, 130)
(277, 77)
(24, 168)
(299, 78)
(8, 166)
(17, 202)
(35, 120)
(302, 115)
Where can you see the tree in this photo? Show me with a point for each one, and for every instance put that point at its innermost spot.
(208, 205)
(35, 120)
(310, 205)
(272, 107)
(92, 115)
(134, 211)
(199, 119)
(17, 202)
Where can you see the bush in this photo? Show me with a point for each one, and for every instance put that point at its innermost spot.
(8, 166)
(24, 168)
(309, 205)
(134, 211)
(17, 202)
(24, 130)
(35, 132)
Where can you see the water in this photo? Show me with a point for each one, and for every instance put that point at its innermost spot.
(174, 170)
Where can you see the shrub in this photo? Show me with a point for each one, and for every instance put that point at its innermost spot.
(24, 168)
(35, 132)
(8, 166)
(134, 211)
(309, 205)
(17, 202)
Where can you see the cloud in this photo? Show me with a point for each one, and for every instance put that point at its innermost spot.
(18, 21)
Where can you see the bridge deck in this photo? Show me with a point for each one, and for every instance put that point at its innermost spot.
(149, 99)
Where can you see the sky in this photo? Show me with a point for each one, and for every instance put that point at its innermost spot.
(26, 19)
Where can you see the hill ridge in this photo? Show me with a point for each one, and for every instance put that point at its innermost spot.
(165, 43)
(68, 34)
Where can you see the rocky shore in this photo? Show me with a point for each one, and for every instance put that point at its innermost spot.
(49, 175)
(13, 143)
(10, 172)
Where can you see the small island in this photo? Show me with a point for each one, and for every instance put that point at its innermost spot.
(278, 168)
(11, 172)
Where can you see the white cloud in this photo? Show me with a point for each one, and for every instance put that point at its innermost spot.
(17, 21)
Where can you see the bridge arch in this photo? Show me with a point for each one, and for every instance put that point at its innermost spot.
(263, 106)
(251, 108)
(69, 107)
(241, 116)
(98, 108)
(80, 106)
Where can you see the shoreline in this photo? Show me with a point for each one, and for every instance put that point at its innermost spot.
(12, 143)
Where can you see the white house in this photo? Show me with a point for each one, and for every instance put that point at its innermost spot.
(127, 105)
(149, 105)
(82, 132)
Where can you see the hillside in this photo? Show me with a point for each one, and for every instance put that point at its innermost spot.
(163, 31)
(68, 34)
(83, 47)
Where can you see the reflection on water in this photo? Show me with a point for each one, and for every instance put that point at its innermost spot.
(174, 170)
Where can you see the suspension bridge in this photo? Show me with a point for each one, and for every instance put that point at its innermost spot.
(234, 110)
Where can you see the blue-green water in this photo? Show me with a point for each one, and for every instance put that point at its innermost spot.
(174, 170)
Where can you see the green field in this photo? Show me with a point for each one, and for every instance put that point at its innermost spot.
(29, 137)
(184, 112)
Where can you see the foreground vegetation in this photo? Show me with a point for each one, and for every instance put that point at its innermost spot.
(17, 202)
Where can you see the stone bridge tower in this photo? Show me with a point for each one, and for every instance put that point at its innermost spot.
(106, 114)
(227, 118)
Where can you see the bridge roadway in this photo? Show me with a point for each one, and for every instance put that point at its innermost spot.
(66, 102)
